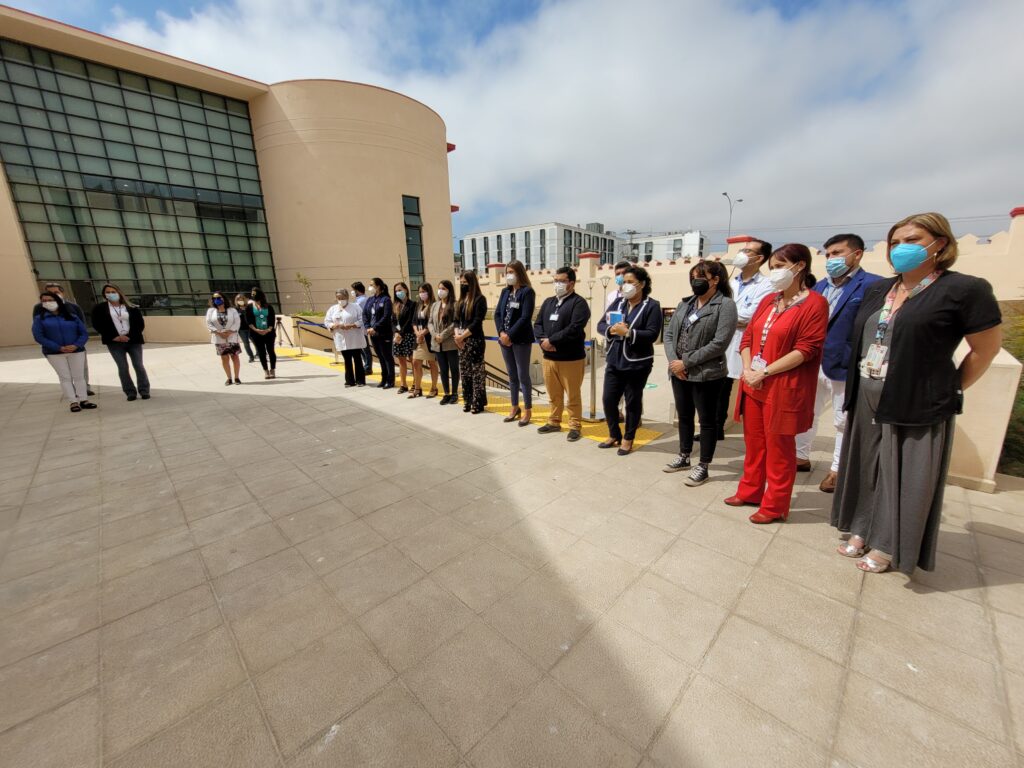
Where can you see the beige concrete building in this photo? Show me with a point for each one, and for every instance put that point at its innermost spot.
(173, 179)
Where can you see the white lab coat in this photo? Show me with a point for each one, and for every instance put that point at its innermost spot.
(349, 338)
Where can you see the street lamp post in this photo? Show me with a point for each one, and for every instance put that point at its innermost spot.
(732, 204)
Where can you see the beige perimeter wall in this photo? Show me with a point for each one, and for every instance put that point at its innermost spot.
(335, 159)
(18, 292)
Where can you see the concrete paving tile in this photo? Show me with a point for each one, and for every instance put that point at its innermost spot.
(1010, 636)
(320, 684)
(47, 624)
(248, 588)
(834, 576)
(630, 539)
(733, 538)
(409, 626)
(436, 543)
(401, 519)
(292, 500)
(574, 515)
(1002, 554)
(123, 559)
(956, 576)
(1004, 591)
(481, 576)
(451, 494)
(795, 685)
(228, 733)
(942, 678)
(713, 728)
(595, 576)
(145, 698)
(336, 548)
(279, 628)
(561, 733)
(233, 552)
(156, 521)
(150, 585)
(56, 527)
(230, 496)
(679, 622)
(542, 618)
(533, 542)
(40, 682)
(39, 557)
(63, 738)
(704, 572)
(627, 681)
(879, 726)
(372, 579)
(60, 580)
(389, 730)
(375, 497)
(314, 521)
(1015, 693)
(227, 522)
(670, 513)
(490, 514)
(471, 681)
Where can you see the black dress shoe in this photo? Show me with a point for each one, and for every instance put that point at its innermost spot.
(573, 436)
(145, 397)
(132, 397)
(90, 393)
(381, 385)
(548, 428)
(467, 408)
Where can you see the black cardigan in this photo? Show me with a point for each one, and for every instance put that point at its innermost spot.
(474, 321)
(104, 325)
(922, 384)
(520, 318)
(569, 332)
(250, 317)
(403, 323)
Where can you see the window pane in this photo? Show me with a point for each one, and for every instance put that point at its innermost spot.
(67, 64)
(196, 147)
(109, 236)
(180, 177)
(154, 173)
(80, 107)
(124, 169)
(240, 124)
(72, 86)
(83, 127)
(30, 116)
(141, 120)
(100, 72)
(141, 237)
(164, 107)
(139, 101)
(45, 158)
(116, 151)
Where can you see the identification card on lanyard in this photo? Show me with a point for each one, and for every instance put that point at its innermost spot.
(874, 360)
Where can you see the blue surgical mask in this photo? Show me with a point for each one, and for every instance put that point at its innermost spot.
(906, 257)
(836, 266)
(400, 295)
(218, 301)
(620, 279)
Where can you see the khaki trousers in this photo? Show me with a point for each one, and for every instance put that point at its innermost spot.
(565, 378)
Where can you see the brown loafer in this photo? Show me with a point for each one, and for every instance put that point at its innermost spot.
(828, 485)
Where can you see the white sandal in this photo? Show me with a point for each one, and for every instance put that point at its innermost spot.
(870, 565)
(846, 549)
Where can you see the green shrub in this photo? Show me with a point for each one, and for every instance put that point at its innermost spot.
(1011, 462)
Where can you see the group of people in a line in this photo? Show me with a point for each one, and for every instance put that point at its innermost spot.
(251, 321)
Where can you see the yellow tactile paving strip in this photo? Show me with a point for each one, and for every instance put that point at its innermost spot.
(502, 406)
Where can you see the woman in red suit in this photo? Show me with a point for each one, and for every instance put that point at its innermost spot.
(781, 350)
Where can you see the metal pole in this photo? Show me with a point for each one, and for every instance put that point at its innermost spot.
(593, 380)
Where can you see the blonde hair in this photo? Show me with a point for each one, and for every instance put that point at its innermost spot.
(937, 226)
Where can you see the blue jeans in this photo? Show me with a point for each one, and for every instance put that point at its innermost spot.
(517, 363)
(121, 352)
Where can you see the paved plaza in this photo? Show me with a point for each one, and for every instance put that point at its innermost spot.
(291, 573)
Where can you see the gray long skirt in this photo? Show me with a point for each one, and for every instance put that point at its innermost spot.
(891, 482)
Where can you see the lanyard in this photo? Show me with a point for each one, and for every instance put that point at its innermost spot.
(774, 315)
(887, 316)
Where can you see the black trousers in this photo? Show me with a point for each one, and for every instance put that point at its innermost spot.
(702, 398)
(724, 396)
(368, 357)
(448, 362)
(628, 384)
(354, 372)
(265, 348)
(382, 347)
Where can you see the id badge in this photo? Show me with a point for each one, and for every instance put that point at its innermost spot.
(758, 363)
(692, 318)
(553, 317)
(875, 357)
(514, 304)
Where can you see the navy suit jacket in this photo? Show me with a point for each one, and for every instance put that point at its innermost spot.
(838, 344)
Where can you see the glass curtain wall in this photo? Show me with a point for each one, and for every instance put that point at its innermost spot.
(123, 178)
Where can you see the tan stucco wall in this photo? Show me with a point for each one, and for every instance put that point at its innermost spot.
(17, 282)
(335, 159)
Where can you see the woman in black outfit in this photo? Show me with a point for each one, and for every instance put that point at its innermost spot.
(469, 338)
(379, 328)
(404, 309)
(120, 325)
(261, 321)
(630, 344)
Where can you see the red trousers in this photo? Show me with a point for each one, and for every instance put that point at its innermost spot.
(770, 458)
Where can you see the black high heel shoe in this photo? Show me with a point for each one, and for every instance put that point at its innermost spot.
(516, 415)
(609, 443)
(466, 408)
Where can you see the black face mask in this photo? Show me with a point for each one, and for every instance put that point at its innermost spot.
(700, 286)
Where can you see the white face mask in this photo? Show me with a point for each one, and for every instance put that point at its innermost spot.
(781, 278)
(370, 291)
(510, 278)
(561, 288)
(50, 305)
(740, 260)
(628, 290)
(424, 297)
(342, 302)
(442, 293)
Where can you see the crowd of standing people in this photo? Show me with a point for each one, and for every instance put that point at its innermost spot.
(878, 350)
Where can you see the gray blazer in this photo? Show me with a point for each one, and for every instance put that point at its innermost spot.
(442, 337)
(707, 337)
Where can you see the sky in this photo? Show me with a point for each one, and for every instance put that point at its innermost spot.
(822, 115)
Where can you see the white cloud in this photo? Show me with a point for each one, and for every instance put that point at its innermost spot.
(640, 114)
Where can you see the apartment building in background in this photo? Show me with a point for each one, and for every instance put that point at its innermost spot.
(538, 246)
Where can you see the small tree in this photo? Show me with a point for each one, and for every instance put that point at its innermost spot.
(307, 285)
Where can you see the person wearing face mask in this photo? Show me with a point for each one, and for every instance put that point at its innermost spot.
(470, 312)
(344, 319)
(695, 343)
(358, 297)
(843, 290)
(749, 287)
(377, 315)
(513, 319)
(260, 318)
(442, 340)
(120, 325)
(616, 292)
(631, 330)
(57, 288)
(781, 352)
(903, 392)
(241, 302)
(422, 355)
(223, 323)
(561, 331)
(404, 309)
(63, 336)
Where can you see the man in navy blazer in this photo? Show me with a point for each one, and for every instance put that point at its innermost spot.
(843, 290)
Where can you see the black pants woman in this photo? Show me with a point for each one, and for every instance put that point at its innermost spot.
(698, 398)
(384, 349)
(355, 374)
(625, 384)
(264, 343)
(448, 362)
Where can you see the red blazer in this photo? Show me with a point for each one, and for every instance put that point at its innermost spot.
(788, 396)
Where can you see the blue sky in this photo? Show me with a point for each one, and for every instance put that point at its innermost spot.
(639, 114)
